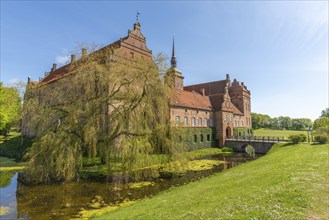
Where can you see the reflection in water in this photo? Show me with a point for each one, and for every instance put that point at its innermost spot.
(8, 198)
(64, 201)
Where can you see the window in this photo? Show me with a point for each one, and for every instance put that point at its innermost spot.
(195, 138)
(201, 137)
(205, 122)
(224, 117)
(200, 122)
(230, 117)
(193, 122)
(208, 137)
(131, 54)
(210, 122)
(177, 120)
(235, 123)
(185, 120)
(242, 123)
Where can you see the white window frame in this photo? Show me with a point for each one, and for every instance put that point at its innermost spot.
(193, 122)
(200, 122)
(185, 121)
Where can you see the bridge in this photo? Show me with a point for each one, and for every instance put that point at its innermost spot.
(261, 144)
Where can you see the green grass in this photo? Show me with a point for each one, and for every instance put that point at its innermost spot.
(277, 133)
(13, 145)
(290, 182)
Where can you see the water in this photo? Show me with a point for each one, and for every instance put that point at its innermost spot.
(64, 201)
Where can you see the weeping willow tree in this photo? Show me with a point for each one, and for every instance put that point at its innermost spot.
(104, 106)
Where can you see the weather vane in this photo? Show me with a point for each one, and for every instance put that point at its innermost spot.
(137, 14)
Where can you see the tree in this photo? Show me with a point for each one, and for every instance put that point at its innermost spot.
(325, 113)
(10, 105)
(107, 107)
(322, 122)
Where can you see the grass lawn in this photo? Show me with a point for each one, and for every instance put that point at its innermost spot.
(13, 145)
(9, 164)
(277, 133)
(290, 182)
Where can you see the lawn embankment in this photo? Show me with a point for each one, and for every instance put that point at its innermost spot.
(277, 133)
(14, 146)
(290, 182)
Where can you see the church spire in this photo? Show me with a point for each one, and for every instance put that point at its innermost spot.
(173, 57)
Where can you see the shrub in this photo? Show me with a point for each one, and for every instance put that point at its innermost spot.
(321, 138)
(295, 139)
(302, 137)
(250, 150)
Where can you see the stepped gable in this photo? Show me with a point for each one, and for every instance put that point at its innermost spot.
(189, 99)
(210, 88)
(134, 41)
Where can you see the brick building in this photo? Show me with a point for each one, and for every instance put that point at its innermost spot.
(223, 106)
(212, 111)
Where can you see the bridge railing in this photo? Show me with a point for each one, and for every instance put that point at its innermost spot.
(257, 138)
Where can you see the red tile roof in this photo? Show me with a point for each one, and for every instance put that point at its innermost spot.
(210, 88)
(188, 99)
(236, 111)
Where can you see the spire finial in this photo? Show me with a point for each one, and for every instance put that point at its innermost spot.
(173, 57)
(137, 15)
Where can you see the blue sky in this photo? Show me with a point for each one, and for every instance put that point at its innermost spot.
(279, 49)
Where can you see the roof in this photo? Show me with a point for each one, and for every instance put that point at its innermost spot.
(189, 99)
(135, 33)
(56, 73)
(236, 111)
(210, 88)
(216, 101)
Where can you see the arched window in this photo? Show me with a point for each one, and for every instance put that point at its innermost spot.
(210, 122)
(201, 137)
(177, 120)
(193, 122)
(205, 122)
(185, 120)
(224, 117)
(241, 123)
(208, 137)
(200, 122)
(195, 138)
(230, 117)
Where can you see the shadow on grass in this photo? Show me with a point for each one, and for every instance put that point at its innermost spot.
(15, 147)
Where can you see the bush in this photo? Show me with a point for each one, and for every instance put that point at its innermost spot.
(250, 150)
(295, 139)
(321, 138)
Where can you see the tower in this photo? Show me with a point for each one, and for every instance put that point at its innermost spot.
(174, 76)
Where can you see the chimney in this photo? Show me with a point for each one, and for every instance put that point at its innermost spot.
(54, 67)
(84, 52)
(242, 84)
(227, 76)
(72, 58)
(202, 92)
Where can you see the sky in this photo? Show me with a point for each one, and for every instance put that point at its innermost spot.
(279, 49)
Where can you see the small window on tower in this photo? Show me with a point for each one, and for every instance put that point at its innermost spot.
(131, 54)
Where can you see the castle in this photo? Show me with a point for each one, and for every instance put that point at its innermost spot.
(212, 111)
